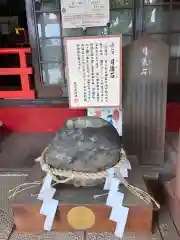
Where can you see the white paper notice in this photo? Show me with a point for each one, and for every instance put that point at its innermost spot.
(111, 115)
(84, 13)
(94, 71)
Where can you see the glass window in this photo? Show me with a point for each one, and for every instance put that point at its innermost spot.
(156, 19)
(65, 91)
(121, 22)
(160, 2)
(175, 22)
(72, 32)
(53, 73)
(50, 50)
(126, 40)
(48, 24)
(115, 4)
(97, 31)
(46, 5)
(174, 61)
(161, 37)
(175, 45)
(174, 70)
(51, 37)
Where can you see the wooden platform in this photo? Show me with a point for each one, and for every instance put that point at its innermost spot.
(26, 208)
(163, 227)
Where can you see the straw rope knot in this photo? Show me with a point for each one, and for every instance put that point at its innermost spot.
(65, 176)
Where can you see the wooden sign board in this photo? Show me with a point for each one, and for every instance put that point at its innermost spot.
(94, 71)
(144, 99)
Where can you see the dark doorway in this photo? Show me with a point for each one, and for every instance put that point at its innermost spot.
(12, 16)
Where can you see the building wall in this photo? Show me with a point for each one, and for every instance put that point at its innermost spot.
(49, 118)
(34, 118)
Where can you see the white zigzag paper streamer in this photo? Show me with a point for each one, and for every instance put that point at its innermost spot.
(119, 213)
(121, 223)
(49, 205)
(115, 198)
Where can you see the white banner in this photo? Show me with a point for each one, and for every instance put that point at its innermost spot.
(84, 13)
(94, 71)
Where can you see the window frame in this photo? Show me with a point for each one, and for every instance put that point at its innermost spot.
(54, 91)
(50, 91)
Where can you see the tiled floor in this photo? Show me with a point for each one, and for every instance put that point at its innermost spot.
(19, 150)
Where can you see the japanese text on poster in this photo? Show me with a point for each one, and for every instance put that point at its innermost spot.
(94, 72)
(111, 115)
(84, 13)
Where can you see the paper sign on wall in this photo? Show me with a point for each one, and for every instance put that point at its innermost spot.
(94, 71)
(111, 115)
(84, 13)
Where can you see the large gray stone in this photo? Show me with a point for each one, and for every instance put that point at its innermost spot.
(86, 144)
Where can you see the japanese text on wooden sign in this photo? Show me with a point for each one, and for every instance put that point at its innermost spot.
(83, 13)
(94, 71)
(146, 62)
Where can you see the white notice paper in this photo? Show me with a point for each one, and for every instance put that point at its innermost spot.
(94, 71)
(111, 115)
(84, 13)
